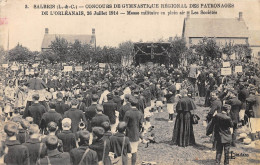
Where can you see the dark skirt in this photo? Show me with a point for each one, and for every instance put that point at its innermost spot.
(183, 134)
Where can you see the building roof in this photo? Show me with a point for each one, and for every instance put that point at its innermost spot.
(48, 38)
(254, 39)
(214, 27)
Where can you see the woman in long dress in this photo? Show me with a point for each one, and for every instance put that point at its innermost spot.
(183, 134)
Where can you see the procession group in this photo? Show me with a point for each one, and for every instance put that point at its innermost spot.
(101, 115)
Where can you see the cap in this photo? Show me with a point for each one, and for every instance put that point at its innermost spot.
(52, 140)
(109, 96)
(133, 100)
(29, 119)
(66, 122)
(105, 125)
(74, 102)
(121, 126)
(25, 124)
(33, 129)
(10, 128)
(226, 107)
(52, 126)
(98, 131)
(84, 135)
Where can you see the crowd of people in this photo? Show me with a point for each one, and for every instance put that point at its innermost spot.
(100, 115)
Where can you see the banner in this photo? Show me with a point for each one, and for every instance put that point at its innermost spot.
(238, 69)
(226, 71)
(78, 68)
(226, 64)
(14, 67)
(102, 65)
(67, 68)
(5, 65)
(35, 65)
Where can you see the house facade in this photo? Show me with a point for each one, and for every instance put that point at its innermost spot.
(84, 39)
(224, 30)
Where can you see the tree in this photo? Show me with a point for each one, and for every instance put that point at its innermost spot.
(49, 55)
(125, 49)
(3, 54)
(208, 49)
(19, 53)
(177, 51)
(60, 47)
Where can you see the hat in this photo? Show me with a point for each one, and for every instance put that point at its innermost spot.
(66, 122)
(74, 102)
(109, 96)
(121, 126)
(10, 128)
(226, 107)
(133, 100)
(52, 126)
(36, 96)
(33, 129)
(25, 124)
(29, 119)
(17, 119)
(95, 97)
(84, 135)
(98, 131)
(52, 140)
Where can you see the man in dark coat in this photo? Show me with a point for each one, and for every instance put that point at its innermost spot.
(234, 114)
(110, 110)
(201, 83)
(117, 99)
(66, 136)
(215, 107)
(75, 115)
(124, 108)
(36, 149)
(17, 153)
(54, 156)
(243, 94)
(60, 106)
(49, 116)
(221, 125)
(36, 110)
(23, 134)
(91, 111)
(116, 143)
(99, 145)
(134, 121)
(99, 118)
(36, 83)
(76, 154)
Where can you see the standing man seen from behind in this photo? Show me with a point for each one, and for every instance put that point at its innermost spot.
(110, 110)
(221, 124)
(134, 122)
(36, 110)
(75, 115)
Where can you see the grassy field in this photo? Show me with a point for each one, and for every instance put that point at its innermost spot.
(165, 154)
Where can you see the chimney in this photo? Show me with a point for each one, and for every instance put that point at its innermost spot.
(240, 18)
(188, 14)
(93, 31)
(46, 31)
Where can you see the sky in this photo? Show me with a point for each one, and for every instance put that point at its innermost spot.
(27, 26)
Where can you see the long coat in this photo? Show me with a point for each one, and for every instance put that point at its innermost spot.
(36, 84)
(55, 157)
(77, 153)
(33, 146)
(17, 153)
(36, 110)
(134, 121)
(68, 140)
(183, 134)
(222, 124)
(98, 120)
(235, 108)
(109, 110)
(76, 116)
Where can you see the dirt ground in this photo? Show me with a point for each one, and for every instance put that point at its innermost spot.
(165, 154)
